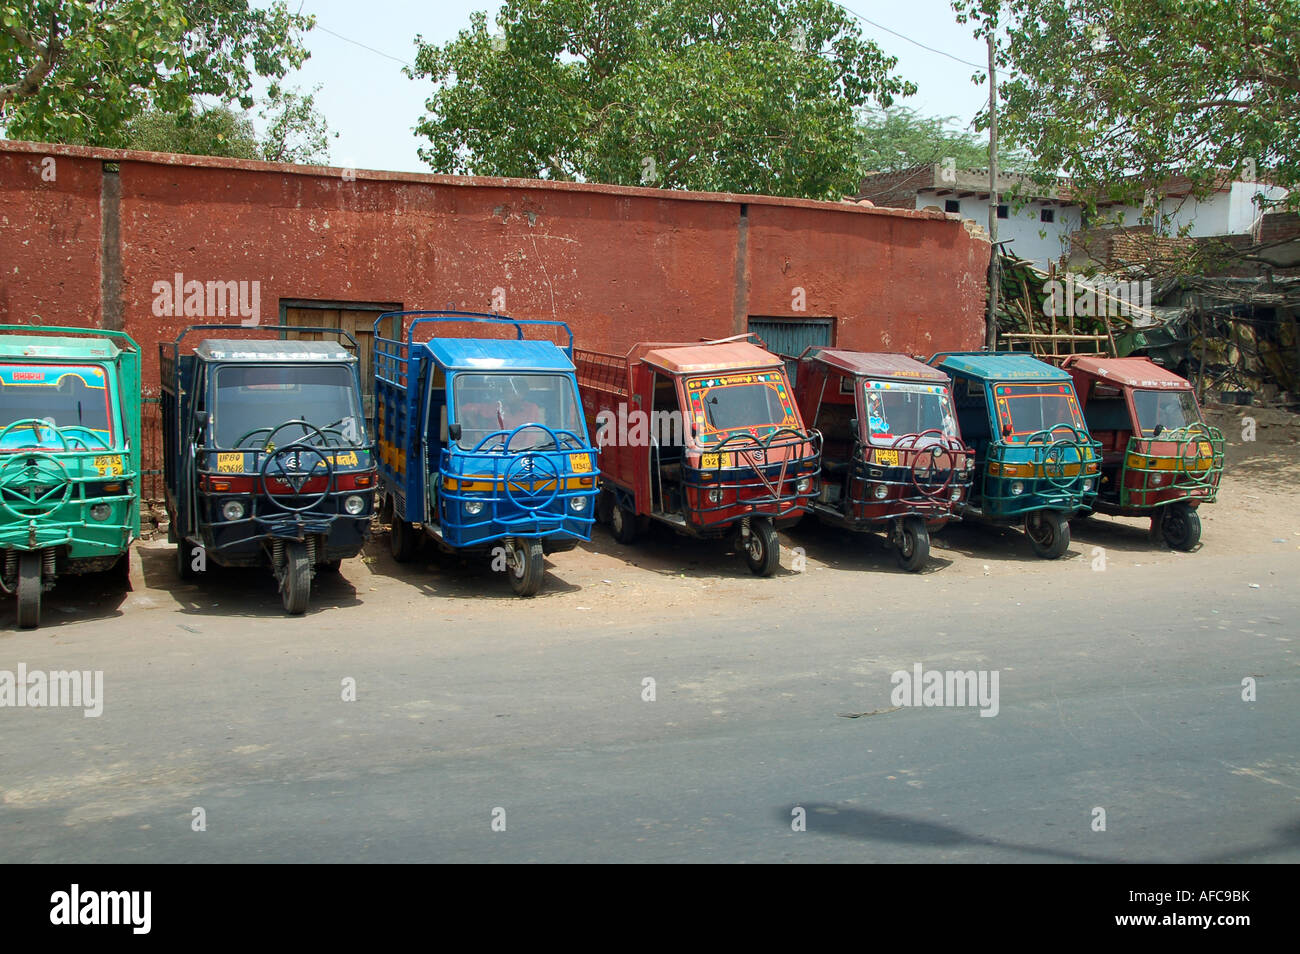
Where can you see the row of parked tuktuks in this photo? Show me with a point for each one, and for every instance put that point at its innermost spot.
(507, 443)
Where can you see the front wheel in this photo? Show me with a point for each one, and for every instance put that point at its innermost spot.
(622, 523)
(295, 583)
(1181, 527)
(762, 548)
(403, 540)
(29, 590)
(527, 567)
(185, 561)
(1049, 532)
(913, 549)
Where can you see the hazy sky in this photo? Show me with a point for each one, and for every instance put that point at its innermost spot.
(371, 104)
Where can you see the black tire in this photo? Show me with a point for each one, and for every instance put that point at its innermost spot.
(121, 571)
(913, 551)
(184, 566)
(604, 506)
(1180, 526)
(403, 541)
(622, 523)
(329, 566)
(295, 584)
(526, 577)
(29, 590)
(1049, 533)
(762, 549)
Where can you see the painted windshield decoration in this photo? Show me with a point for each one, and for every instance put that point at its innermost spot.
(756, 402)
(68, 396)
(1029, 408)
(894, 410)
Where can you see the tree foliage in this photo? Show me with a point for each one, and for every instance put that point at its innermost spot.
(1121, 95)
(890, 140)
(220, 131)
(295, 130)
(81, 70)
(725, 95)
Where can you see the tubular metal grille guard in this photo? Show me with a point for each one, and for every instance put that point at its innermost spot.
(771, 479)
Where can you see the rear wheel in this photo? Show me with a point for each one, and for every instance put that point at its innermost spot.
(1049, 532)
(913, 545)
(403, 540)
(604, 506)
(295, 583)
(29, 590)
(622, 523)
(527, 567)
(1181, 527)
(762, 548)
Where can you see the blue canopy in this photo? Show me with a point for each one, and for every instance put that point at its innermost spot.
(999, 366)
(491, 354)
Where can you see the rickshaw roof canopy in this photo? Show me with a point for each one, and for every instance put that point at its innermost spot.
(497, 354)
(871, 364)
(1129, 372)
(702, 358)
(1000, 366)
(276, 349)
(19, 347)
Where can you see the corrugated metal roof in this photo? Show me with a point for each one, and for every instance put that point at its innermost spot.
(273, 349)
(725, 356)
(999, 366)
(49, 346)
(876, 364)
(490, 354)
(1131, 372)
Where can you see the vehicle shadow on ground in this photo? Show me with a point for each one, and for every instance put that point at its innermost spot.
(659, 550)
(847, 550)
(1102, 531)
(81, 598)
(978, 541)
(237, 591)
(449, 575)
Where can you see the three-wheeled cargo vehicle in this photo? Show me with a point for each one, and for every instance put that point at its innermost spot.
(892, 455)
(705, 438)
(1159, 457)
(482, 443)
(69, 457)
(266, 456)
(1035, 462)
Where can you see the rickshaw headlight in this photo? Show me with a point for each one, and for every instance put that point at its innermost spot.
(804, 485)
(1087, 485)
(100, 511)
(715, 495)
(956, 494)
(473, 507)
(1157, 480)
(354, 504)
(578, 504)
(880, 491)
(233, 510)
(1017, 488)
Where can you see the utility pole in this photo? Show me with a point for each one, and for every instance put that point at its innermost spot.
(991, 323)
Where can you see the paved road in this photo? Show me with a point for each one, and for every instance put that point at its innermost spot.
(1118, 690)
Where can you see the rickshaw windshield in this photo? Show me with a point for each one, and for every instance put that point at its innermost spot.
(75, 397)
(1165, 411)
(260, 397)
(894, 410)
(487, 403)
(1026, 409)
(758, 402)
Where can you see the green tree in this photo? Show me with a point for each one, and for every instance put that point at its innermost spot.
(220, 131)
(81, 70)
(295, 130)
(725, 95)
(1123, 94)
(890, 140)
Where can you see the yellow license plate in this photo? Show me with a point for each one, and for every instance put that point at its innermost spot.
(888, 457)
(230, 463)
(709, 462)
(108, 466)
(581, 463)
(346, 460)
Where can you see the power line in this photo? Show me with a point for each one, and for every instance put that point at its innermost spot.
(347, 39)
(901, 36)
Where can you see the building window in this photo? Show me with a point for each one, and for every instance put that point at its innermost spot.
(952, 205)
(1002, 211)
(1047, 215)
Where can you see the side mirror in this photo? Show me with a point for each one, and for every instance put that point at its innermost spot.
(453, 431)
(201, 418)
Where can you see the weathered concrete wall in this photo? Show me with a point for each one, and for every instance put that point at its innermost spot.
(619, 264)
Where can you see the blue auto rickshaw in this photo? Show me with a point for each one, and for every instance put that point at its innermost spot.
(1036, 465)
(482, 443)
